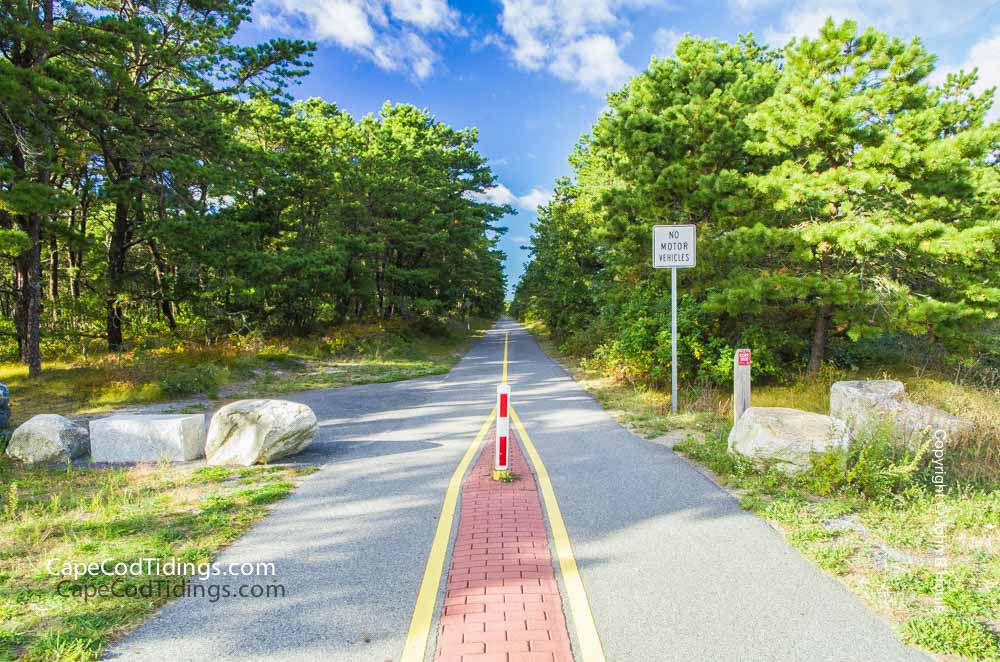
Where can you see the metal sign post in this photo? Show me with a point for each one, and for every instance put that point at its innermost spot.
(674, 247)
(673, 339)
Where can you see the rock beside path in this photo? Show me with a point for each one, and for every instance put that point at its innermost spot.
(787, 439)
(147, 438)
(866, 405)
(250, 432)
(48, 438)
(674, 437)
(4, 405)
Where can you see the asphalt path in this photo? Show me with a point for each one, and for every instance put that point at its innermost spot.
(350, 544)
(672, 567)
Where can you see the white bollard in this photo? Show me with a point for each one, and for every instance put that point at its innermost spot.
(741, 383)
(501, 454)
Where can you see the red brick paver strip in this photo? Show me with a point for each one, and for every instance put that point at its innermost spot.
(503, 601)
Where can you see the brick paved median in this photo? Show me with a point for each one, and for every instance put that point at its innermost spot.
(502, 602)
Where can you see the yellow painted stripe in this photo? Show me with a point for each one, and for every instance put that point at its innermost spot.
(591, 649)
(423, 613)
(503, 377)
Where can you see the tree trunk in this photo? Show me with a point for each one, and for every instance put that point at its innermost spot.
(75, 267)
(380, 288)
(117, 248)
(820, 332)
(28, 266)
(159, 268)
(54, 274)
(75, 257)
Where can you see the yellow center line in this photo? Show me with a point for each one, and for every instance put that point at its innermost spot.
(503, 377)
(423, 612)
(591, 649)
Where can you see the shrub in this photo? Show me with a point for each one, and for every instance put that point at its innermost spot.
(880, 467)
(189, 380)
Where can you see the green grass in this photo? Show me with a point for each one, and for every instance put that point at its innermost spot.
(872, 525)
(148, 511)
(162, 511)
(951, 610)
(237, 367)
(954, 634)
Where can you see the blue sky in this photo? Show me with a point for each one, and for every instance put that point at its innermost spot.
(531, 75)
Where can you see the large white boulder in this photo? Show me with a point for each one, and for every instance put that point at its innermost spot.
(865, 403)
(250, 432)
(787, 439)
(870, 404)
(915, 423)
(147, 438)
(48, 438)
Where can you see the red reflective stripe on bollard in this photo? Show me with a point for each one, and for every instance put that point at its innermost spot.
(500, 451)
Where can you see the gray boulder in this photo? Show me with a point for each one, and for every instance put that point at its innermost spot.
(250, 432)
(674, 437)
(869, 404)
(787, 439)
(147, 438)
(4, 405)
(48, 438)
(915, 423)
(865, 403)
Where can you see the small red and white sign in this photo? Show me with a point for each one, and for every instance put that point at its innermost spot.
(743, 357)
(500, 458)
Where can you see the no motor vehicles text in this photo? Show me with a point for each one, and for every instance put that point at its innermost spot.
(673, 246)
(669, 251)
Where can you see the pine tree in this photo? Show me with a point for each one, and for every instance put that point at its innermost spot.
(870, 218)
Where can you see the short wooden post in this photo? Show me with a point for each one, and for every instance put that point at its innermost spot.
(741, 383)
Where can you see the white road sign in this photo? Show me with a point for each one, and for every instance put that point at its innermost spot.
(673, 246)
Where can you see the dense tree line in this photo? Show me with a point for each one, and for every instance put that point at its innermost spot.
(153, 174)
(838, 196)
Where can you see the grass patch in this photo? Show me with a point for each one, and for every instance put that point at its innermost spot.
(124, 514)
(868, 519)
(952, 634)
(236, 367)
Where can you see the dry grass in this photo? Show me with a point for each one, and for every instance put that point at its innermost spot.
(239, 366)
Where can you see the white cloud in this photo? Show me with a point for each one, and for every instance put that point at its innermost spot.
(388, 32)
(534, 199)
(746, 8)
(501, 195)
(425, 14)
(805, 21)
(497, 195)
(571, 38)
(985, 55)
(665, 40)
(593, 63)
(342, 22)
(905, 18)
(930, 18)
